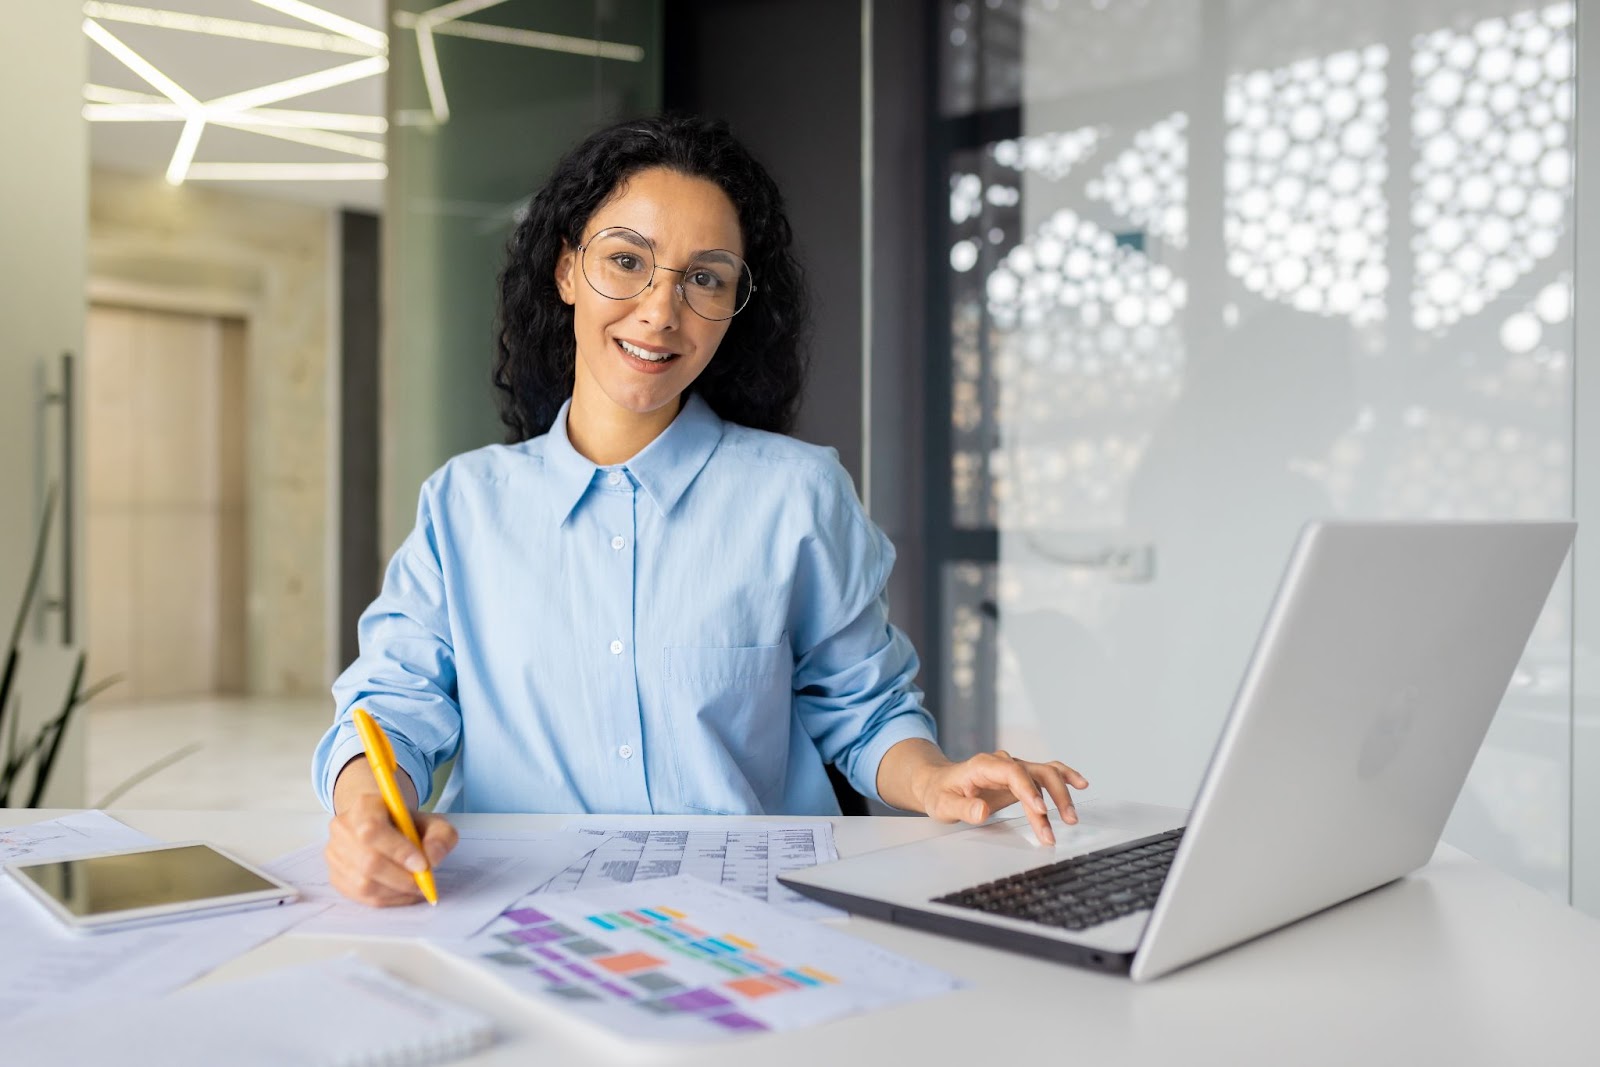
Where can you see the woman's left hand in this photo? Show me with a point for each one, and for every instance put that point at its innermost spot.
(974, 789)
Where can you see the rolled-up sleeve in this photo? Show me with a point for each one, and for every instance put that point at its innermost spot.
(854, 670)
(405, 675)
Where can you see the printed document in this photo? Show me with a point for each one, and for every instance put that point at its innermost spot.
(70, 835)
(485, 872)
(680, 959)
(746, 858)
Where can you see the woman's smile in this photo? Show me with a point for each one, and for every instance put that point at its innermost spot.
(646, 358)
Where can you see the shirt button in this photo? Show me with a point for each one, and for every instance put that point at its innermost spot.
(618, 541)
(626, 751)
(614, 478)
(616, 648)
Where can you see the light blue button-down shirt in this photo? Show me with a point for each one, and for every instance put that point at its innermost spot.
(699, 629)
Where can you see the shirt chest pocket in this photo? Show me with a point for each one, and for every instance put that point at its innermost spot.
(729, 711)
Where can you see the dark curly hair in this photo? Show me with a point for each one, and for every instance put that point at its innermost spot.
(758, 374)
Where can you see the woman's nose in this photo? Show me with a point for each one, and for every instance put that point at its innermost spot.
(660, 300)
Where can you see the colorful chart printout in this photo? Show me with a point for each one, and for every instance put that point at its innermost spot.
(680, 959)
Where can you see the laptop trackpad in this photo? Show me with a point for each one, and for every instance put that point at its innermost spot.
(1100, 825)
(1017, 835)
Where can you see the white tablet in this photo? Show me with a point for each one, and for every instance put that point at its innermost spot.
(129, 887)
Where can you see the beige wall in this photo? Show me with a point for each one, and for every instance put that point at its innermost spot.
(42, 180)
(209, 251)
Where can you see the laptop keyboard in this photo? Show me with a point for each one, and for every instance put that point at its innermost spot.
(1080, 892)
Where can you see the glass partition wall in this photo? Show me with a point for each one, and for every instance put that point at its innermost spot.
(1216, 268)
(484, 96)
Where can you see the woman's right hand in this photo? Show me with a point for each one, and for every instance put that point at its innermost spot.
(369, 859)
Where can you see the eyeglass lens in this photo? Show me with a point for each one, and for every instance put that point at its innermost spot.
(619, 264)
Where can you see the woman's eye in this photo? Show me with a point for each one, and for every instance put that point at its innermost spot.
(627, 262)
(704, 279)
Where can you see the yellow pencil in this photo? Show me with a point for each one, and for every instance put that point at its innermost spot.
(380, 755)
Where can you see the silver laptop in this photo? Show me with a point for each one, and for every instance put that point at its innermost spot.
(1382, 661)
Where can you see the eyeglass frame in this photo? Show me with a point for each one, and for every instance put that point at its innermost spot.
(655, 266)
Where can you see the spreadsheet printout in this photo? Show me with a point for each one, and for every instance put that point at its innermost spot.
(747, 858)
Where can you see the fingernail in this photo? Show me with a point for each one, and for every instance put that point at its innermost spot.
(977, 811)
(415, 863)
(1071, 815)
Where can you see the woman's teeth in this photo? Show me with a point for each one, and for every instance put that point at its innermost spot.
(640, 353)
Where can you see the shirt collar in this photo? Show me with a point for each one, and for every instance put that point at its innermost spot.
(665, 468)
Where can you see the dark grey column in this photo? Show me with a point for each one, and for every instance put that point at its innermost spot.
(785, 74)
(359, 571)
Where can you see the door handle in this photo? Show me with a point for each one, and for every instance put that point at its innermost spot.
(61, 600)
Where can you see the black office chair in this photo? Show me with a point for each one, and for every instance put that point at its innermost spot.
(850, 802)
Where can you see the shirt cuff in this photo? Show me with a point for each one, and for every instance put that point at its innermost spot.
(902, 727)
(348, 746)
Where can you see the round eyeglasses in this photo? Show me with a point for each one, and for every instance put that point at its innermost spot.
(619, 264)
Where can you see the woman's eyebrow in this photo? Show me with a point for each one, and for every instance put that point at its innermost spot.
(634, 237)
(628, 234)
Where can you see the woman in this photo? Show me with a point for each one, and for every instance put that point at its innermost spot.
(650, 601)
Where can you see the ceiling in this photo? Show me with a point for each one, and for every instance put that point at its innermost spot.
(145, 55)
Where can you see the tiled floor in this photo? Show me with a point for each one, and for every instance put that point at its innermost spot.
(221, 752)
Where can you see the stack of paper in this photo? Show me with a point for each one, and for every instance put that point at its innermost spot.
(651, 930)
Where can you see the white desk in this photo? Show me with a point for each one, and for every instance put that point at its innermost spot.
(1455, 965)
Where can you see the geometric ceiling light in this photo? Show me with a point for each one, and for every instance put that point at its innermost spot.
(246, 110)
(368, 35)
(107, 104)
(352, 38)
(447, 18)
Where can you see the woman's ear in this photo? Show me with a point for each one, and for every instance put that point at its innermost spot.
(566, 273)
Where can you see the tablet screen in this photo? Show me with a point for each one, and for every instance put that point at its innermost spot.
(98, 885)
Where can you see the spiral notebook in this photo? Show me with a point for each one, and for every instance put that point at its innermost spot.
(339, 1013)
